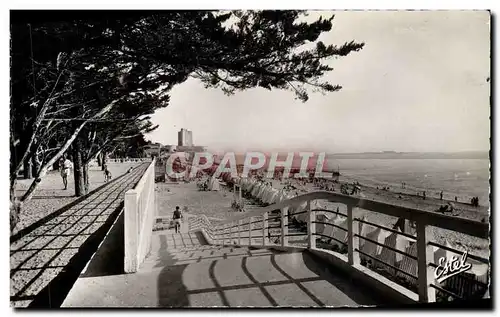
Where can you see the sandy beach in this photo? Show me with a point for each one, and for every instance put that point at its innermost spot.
(395, 196)
(216, 206)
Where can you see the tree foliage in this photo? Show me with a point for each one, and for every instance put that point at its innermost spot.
(96, 79)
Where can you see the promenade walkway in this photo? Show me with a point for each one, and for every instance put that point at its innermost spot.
(46, 259)
(208, 265)
(182, 270)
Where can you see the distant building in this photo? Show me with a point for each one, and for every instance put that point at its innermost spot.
(185, 137)
(185, 145)
(194, 148)
(155, 149)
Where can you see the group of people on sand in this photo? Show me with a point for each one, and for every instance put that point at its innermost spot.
(474, 201)
(202, 185)
(344, 189)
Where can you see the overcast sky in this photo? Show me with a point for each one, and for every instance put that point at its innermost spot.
(419, 84)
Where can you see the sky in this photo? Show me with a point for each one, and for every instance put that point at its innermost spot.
(418, 85)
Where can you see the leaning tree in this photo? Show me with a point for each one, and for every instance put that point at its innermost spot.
(72, 75)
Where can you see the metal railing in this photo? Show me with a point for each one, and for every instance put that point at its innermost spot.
(261, 228)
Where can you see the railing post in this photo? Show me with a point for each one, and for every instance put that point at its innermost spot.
(311, 227)
(239, 232)
(239, 193)
(284, 227)
(224, 234)
(352, 239)
(250, 230)
(231, 225)
(425, 272)
(218, 235)
(264, 228)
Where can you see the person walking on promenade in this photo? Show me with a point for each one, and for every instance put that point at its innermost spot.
(177, 219)
(107, 174)
(65, 166)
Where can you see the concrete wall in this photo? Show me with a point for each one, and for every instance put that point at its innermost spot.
(139, 217)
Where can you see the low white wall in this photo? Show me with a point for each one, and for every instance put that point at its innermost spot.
(139, 217)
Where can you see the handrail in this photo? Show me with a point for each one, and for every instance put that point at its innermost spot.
(462, 225)
(351, 235)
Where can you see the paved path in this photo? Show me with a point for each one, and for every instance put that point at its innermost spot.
(183, 271)
(50, 195)
(39, 259)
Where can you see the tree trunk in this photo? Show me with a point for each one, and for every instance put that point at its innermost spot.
(78, 169)
(15, 211)
(104, 157)
(99, 160)
(27, 169)
(29, 193)
(15, 206)
(34, 166)
(86, 177)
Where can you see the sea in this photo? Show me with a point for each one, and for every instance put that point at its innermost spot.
(464, 178)
(461, 177)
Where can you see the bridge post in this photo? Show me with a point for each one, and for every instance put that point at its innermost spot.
(250, 230)
(239, 232)
(425, 255)
(264, 228)
(311, 227)
(284, 227)
(352, 239)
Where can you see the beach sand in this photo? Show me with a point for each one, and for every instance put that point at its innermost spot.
(216, 206)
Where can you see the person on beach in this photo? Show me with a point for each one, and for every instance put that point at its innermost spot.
(177, 219)
(65, 166)
(475, 201)
(441, 195)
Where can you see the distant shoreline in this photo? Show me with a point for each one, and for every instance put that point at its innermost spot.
(444, 156)
(482, 155)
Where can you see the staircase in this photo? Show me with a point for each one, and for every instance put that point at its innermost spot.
(262, 259)
(192, 273)
(182, 270)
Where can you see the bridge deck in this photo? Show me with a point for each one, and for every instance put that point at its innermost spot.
(183, 271)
